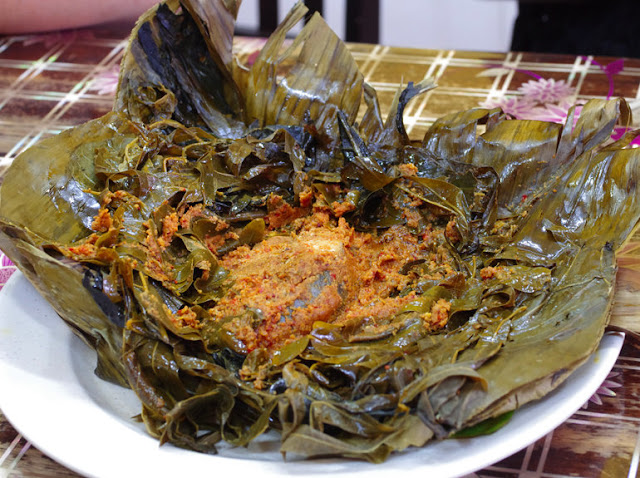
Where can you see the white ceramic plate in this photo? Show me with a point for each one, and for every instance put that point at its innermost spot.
(49, 393)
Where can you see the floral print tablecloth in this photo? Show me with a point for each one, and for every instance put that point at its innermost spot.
(54, 81)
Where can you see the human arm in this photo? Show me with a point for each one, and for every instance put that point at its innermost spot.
(23, 16)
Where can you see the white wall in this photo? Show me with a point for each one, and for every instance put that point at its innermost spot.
(456, 24)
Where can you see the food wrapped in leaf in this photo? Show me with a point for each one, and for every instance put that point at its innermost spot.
(246, 256)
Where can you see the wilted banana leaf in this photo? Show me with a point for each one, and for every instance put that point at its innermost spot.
(141, 229)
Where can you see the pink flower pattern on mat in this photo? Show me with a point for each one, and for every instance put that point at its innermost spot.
(515, 106)
(5, 261)
(556, 113)
(106, 82)
(549, 99)
(546, 91)
(604, 390)
(539, 99)
(6, 269)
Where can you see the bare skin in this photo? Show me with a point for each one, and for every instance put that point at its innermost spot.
(30, 16)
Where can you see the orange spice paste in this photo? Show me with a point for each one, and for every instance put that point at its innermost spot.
(316, 267)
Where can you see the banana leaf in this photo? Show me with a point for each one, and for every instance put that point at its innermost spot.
(123, 224)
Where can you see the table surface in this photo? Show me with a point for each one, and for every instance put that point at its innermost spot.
(50, 82)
